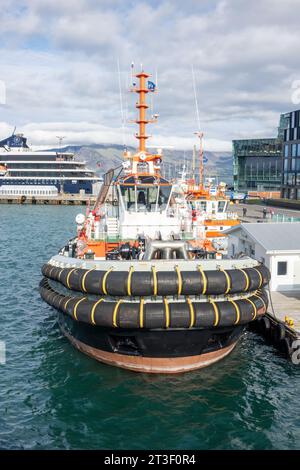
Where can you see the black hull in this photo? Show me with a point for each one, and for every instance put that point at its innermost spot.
(154, 351)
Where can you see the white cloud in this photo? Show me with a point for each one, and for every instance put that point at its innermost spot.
(59, 63)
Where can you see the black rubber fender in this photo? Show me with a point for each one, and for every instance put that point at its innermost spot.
(285, 347)
(278, 333)
(266, 325)
(162, 283)
(123, 313)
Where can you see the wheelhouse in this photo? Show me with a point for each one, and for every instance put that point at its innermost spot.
(145, 194)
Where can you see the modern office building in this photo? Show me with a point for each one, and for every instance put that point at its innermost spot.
(257, 163)
(291, 156)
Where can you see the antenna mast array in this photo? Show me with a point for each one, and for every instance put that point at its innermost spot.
(198, 133)
(60, 139)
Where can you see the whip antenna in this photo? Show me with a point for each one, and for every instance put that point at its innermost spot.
(196, 100)
(199, 134)
(121, 106)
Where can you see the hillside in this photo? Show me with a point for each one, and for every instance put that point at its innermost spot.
(101, 158)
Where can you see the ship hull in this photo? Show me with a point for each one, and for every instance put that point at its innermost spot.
(152, 351)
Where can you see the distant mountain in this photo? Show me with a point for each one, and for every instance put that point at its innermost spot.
(102, 157)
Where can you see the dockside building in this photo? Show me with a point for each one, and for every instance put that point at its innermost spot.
(291, 156)
(257, 163)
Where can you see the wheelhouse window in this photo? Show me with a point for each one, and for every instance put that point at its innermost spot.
(281, 268)
(146, 198)
(199, 205)
(145, 193)
(129, 196)
(163, 197)
(222, 205)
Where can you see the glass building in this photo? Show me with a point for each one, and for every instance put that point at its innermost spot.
(257, 163)
(291, 156)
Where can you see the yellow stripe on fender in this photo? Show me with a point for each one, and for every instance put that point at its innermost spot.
(68, 277)
(129, 280)
(228, 281)
(142, 313)
(192, 312)
(59, 274)
(254, 307)
(84, 278)
(204, 278)
(237, 310)
(179, 280)
(260, 298)
(104, 281)
(75, 307)
(115, 314)
(93, 310)
(260, 277)
(60, 300)
(167, 312)
(65, 306)
(216, 310)
(247, 279)
(154, 280)
(50, 272)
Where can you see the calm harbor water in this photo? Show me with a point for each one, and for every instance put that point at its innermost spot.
(53, 397)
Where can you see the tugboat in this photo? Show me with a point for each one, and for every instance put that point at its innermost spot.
(209, 207)
(133, 290)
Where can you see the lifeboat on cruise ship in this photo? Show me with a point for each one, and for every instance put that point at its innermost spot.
(135, 288)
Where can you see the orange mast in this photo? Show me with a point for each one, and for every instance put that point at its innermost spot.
(153, 160)
(142, 107)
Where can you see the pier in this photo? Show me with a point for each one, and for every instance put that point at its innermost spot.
(61, 199)
(254, 213)
(281, 325)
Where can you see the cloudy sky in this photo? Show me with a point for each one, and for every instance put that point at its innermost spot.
(59, 59)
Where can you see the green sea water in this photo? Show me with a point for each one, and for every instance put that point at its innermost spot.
(53, 397)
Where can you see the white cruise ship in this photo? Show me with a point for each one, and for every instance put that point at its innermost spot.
(42, 173)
